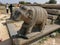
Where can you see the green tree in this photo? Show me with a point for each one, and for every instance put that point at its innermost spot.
(35, 3)
(22, 2)
(51, 2)
(28, 3)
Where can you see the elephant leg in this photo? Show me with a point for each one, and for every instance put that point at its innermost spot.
(29, 29)
(42, 26)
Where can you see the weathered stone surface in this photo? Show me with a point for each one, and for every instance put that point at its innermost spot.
(48, 29)
(53, 11)
(51, 6)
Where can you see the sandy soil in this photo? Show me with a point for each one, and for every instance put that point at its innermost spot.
(49, 41)
(3, 30)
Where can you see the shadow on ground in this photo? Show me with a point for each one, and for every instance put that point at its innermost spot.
(6, 42)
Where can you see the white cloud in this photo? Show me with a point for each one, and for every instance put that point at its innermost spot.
(58, 1)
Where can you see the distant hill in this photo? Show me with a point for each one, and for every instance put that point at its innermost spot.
(1, 4)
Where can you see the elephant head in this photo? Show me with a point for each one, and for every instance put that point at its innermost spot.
(23, 13)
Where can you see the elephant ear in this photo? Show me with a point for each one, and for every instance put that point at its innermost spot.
(29, 14)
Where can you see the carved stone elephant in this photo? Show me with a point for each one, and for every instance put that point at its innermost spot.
(32, 15)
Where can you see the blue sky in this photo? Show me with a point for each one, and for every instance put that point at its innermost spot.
(16, 1)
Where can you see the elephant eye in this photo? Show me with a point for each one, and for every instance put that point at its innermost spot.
(30, 14)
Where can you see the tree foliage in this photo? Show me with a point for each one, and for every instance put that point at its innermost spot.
(35, 3)
(51, 2)
(22, 2)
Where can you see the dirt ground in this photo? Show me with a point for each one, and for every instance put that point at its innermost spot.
(48, 41)
(3, 30)
(52, 41)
